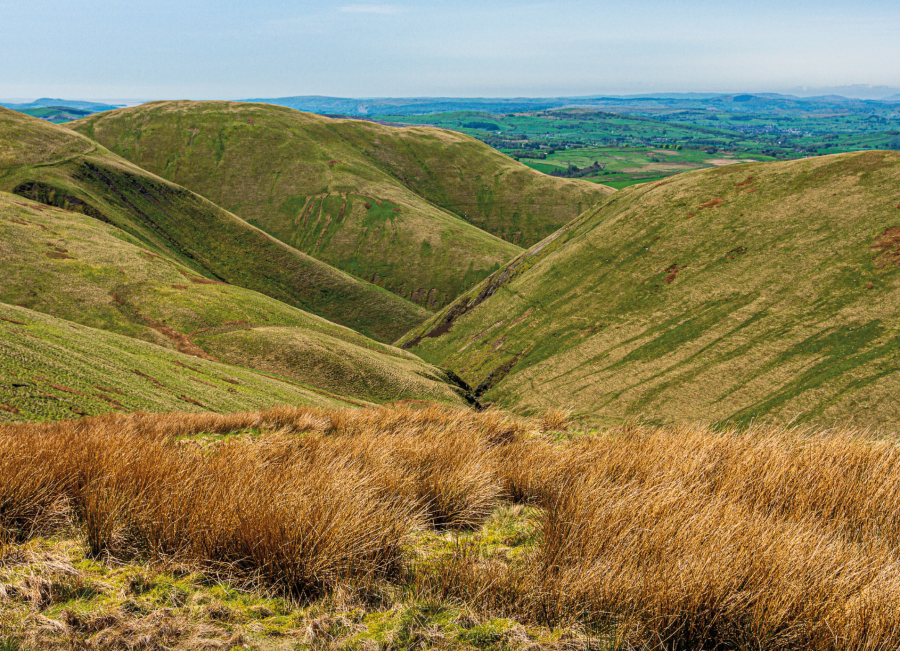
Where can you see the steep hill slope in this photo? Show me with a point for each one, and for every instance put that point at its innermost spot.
(59, 167)
(80, 269)
(52, 369)
(392, 206)
(768, 290)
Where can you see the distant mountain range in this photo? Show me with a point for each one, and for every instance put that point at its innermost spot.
(364, 107)
(44, 102)
(368, 107)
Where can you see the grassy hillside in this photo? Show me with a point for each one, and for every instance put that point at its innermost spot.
(80, 269)
(58, 167)
(476, 182)
(392, 206)
(767, 290)
(51, 369)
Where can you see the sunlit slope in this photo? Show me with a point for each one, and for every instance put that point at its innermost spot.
(476, 182)
(392, 206)
(77, 268)
(755, 291)
(58, 167)
(52, 369)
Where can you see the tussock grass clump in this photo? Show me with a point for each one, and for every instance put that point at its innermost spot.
(246, 511)
(530, 468)
(454, 477)
(301, 514)
(664, 565)
(688, 537)
(655, 538)
(30, 501)
(556, 420)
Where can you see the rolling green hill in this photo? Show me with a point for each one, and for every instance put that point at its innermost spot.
(760, 291)
(59, 167)
(392, 206)
(78, 268)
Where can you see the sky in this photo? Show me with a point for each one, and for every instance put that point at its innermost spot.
(235, 49)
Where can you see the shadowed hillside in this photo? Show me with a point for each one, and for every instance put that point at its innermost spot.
(58, 167)
(753, 291)
(80, 269)
(393, 206)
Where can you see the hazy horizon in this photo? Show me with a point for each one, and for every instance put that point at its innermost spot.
(859, 91)
(276, 48)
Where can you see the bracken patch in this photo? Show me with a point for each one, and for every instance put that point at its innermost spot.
(672, 272)
(887, 246)
(712, 203)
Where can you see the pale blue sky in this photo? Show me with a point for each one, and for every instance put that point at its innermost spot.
(106, 49)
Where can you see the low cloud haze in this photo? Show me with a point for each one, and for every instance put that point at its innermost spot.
(229, 49)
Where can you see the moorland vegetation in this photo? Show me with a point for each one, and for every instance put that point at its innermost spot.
(399, 528)
(84, 271)
(256, 465)
(58, 167)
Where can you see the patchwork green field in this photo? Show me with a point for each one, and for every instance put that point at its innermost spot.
(59, 167)
(424, 213)
(621, 167)
(758, 291)
(647, 140)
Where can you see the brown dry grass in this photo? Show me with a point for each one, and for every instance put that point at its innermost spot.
(299, 514)
(691, 538)
(667, 538)
(556, 420)
(888, 246)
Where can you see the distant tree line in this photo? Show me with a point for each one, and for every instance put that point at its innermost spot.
(484, 126)
(531, 155)
(575, 172)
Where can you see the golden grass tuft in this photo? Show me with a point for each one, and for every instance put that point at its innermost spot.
(656, 538)
(686, 537)
(556, 420)
(666, 565)
(301, 514)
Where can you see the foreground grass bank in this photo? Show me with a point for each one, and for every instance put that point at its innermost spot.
(402, 528)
